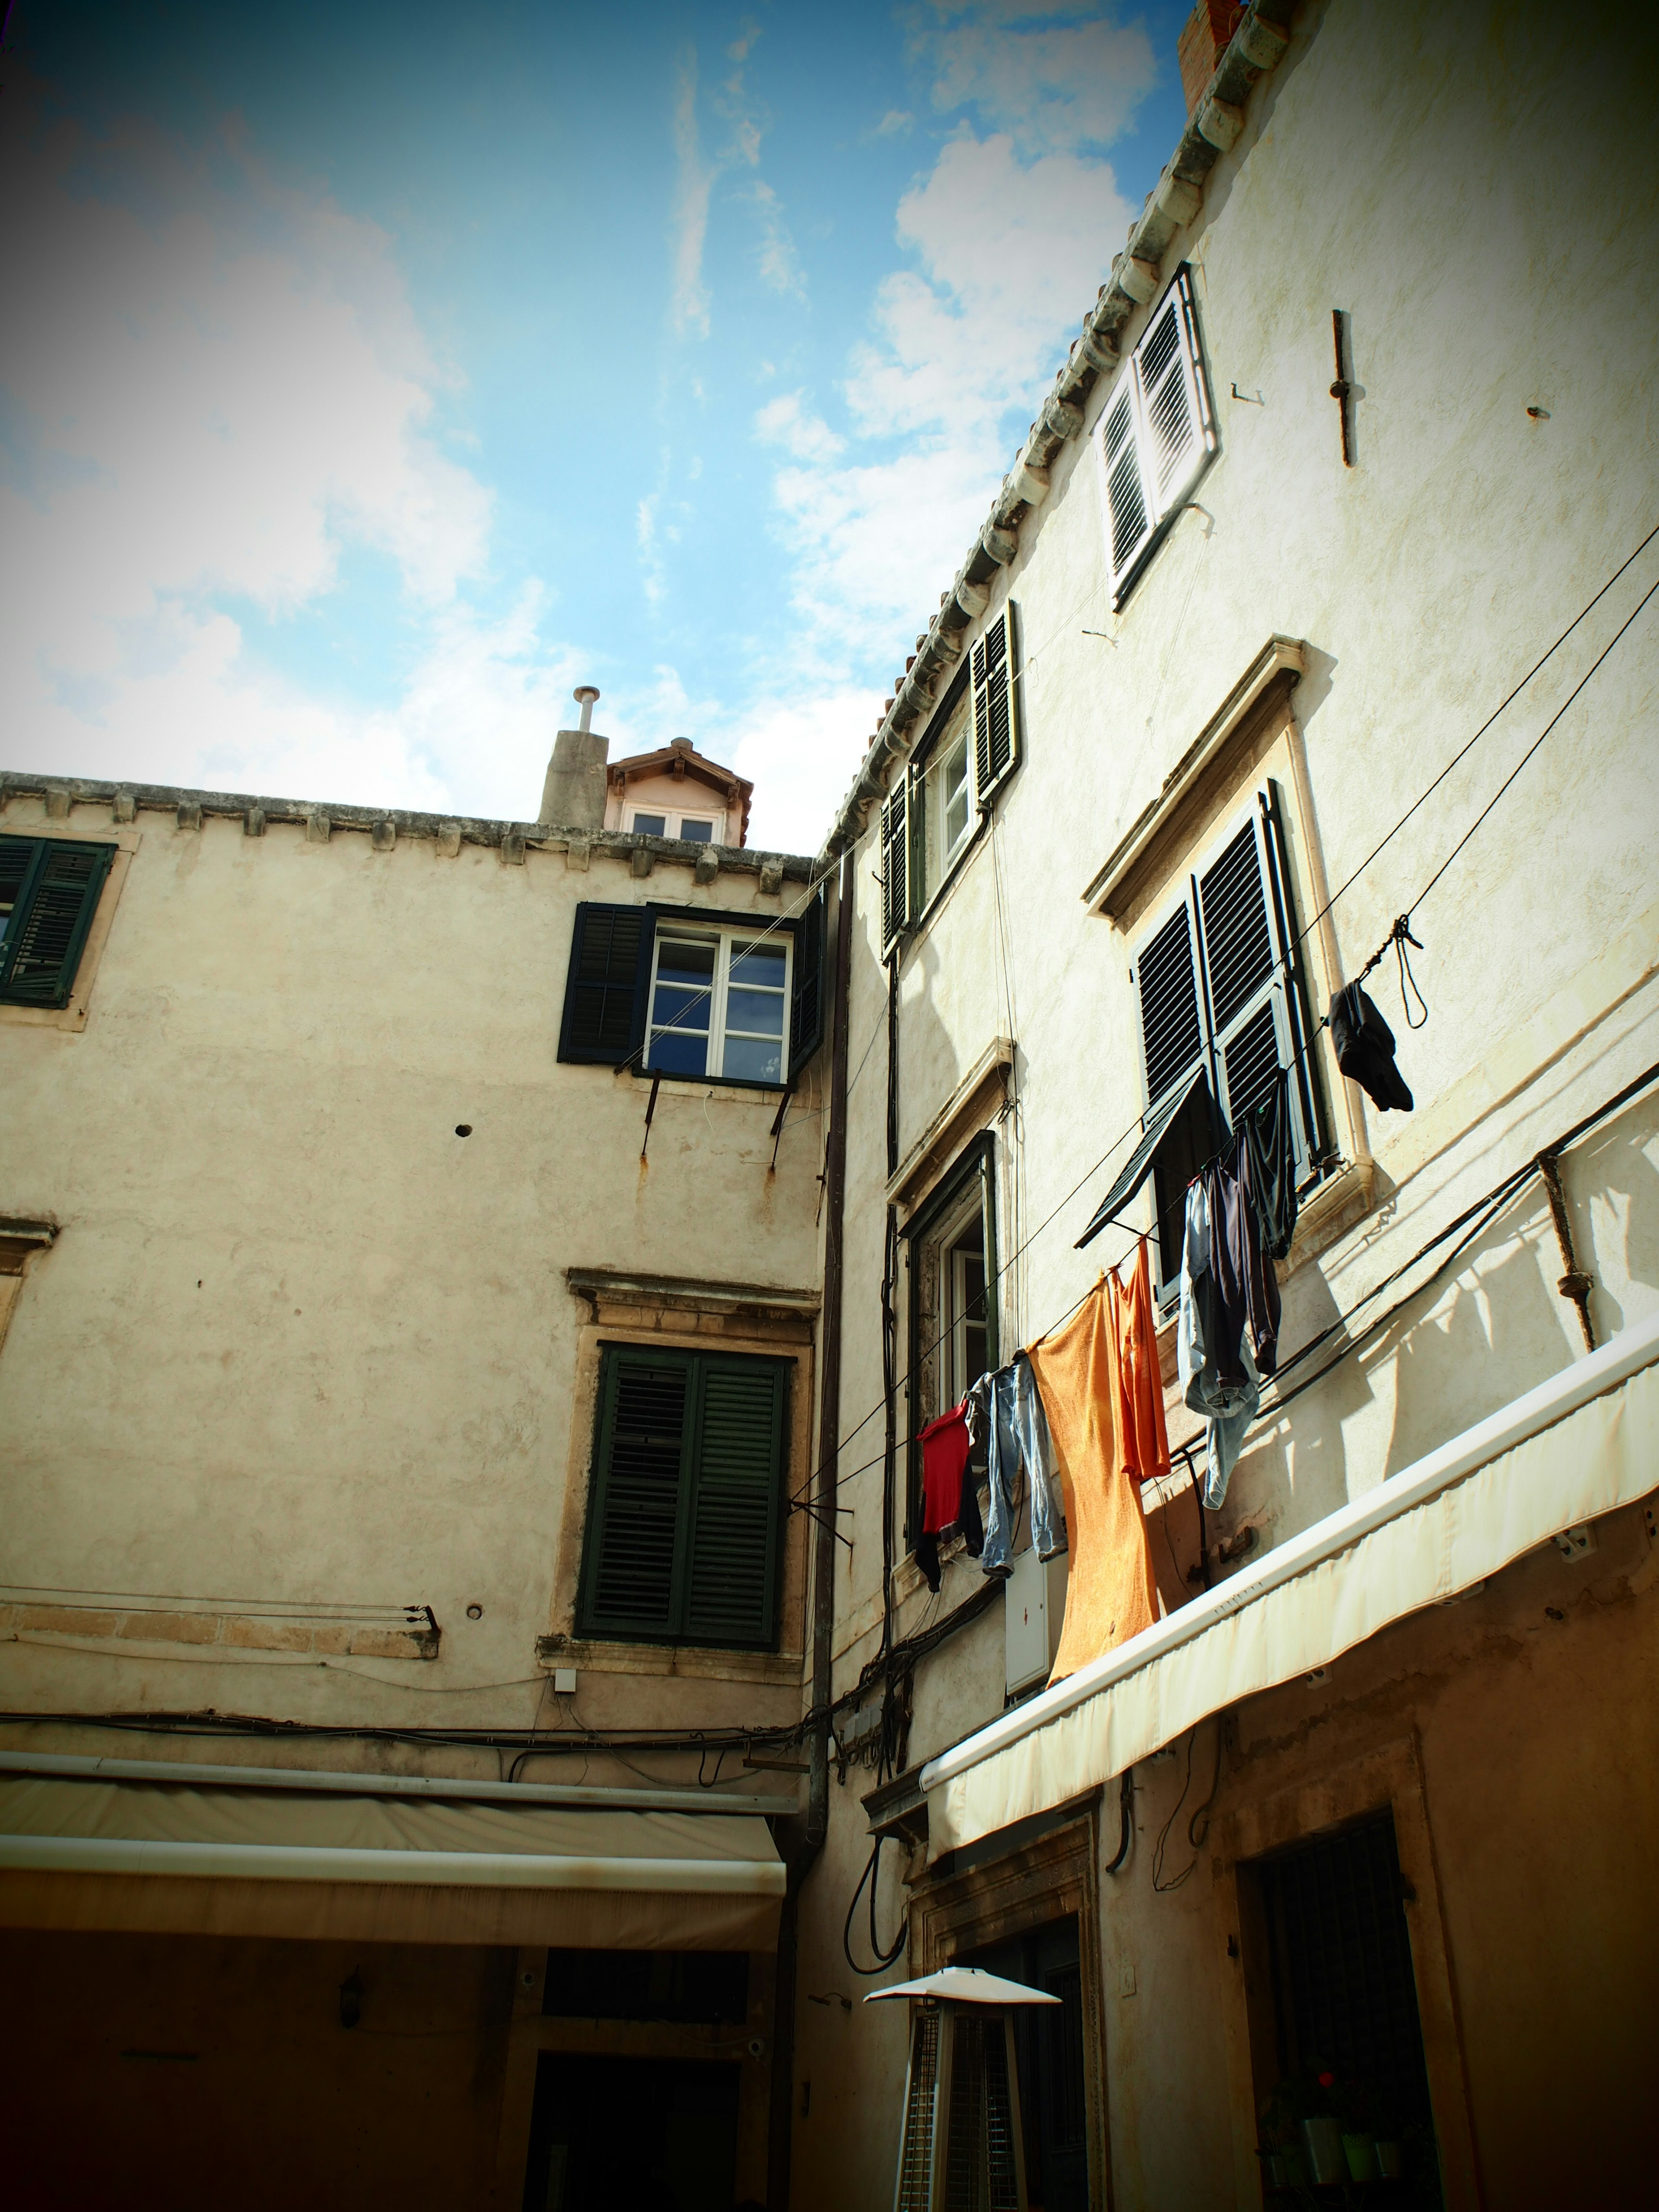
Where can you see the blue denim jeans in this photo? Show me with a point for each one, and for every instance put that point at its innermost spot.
(1005, 1409)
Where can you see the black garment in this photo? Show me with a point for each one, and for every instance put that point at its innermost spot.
(1271, 1142)
(1364, 1048)
(1246, 1287)
(968, 1525)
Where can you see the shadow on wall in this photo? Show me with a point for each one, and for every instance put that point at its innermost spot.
(930, 1066)
(1315, 1474)
(1612, 1181)
(1504, 1332)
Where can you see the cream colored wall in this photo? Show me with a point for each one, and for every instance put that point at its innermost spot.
(671, 796)
(298, 1342)
(1468, 186)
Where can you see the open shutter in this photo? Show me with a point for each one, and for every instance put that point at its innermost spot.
(52, 885)
(737, 1479)
(635, 1512)
(996, 728)
(1130, 511)
(895, 870)
(1172, 1043)
(806, 993)
(609, 978)
(1173, 405)
(1253, 1013)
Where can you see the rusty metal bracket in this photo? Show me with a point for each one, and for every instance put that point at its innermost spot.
(1342, 391)
(1574, 1285)
(650, 1109)
(776, 1130)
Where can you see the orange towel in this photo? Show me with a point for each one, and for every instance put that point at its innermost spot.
(1143, 1439)
(1110, 1594)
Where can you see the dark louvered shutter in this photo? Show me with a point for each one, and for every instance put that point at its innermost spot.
(996, 732)
(51, 885)
(634, 1537)
(1129, 511)
(1246, 984)
(806, 990)
(732, 1578)
(605, 998)
(1169, 1004)
(896, 860)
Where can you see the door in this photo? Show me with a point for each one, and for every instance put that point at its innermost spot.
(632, 2135)
(1048, 2054)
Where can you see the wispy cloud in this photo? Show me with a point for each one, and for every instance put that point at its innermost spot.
(694, 179)
(895, 124)
(1055, 77)
(780, 267)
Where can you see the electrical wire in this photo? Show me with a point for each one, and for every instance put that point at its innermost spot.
(883, 1959)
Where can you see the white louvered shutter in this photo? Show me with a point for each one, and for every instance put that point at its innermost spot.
(1156, 431)
(895, 861)
(996, 709)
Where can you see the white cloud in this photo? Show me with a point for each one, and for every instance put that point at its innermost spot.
(779, 266)
(1054, 77)
(221, 391)
(895, 124)
(694, 180)
(787, 422)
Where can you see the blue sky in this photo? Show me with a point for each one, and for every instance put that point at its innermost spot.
(371, 375)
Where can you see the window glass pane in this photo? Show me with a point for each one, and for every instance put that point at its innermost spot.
(753, 1060)
(675, 1007)
(651, 825)
(685, 959)
(675, 1053)
(956, 797)
(696, 833)
(759, 963)
(758, 1012)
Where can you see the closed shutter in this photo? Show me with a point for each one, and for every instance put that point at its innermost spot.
(806, 991)
(634, 1541)
(1168, 983)
(895, 870)
(1248, 979)
(996, 713)
(683, 1520)
(735, 1482)
(1156, 431)
(51, 885)
(609, 981)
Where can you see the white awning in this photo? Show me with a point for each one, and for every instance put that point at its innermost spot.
(1580, 1445)
(92, 1852)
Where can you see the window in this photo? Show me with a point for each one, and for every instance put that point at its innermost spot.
(685, 1513)
(953, 1317)
(720, 1004)
(693, 829)
(49, 889)
(712, 997)
(1222, 1011)
(938, 799)
(1155, 435)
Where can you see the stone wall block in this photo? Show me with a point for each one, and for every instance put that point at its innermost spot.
(318, 827)
(642, 860)
(578, 854)
(57, 804)
(254, 822)
(706, 865)
(448, 842)
(771, 879)
(124, 808)
(190, 815)
(512, 849)
(383, 836)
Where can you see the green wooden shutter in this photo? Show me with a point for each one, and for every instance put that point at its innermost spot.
(635, 1541)
(52, 886)
(996, 728)
(806, 993)
(737, 1479)
(609, 978)
(896, 870)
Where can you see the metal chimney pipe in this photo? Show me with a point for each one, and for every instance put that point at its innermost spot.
(584, 695)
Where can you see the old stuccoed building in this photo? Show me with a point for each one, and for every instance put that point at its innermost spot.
(472, 1292)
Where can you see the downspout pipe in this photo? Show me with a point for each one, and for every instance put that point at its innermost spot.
(801, 1847)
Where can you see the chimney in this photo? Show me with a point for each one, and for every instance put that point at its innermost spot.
(573, 796)
(1202, 45)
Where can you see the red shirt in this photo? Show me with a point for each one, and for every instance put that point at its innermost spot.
(944, 1460)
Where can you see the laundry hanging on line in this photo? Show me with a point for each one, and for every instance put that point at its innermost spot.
(949, 1492)
(1227, 1408)
(1005, 1413)
(1365, 1048)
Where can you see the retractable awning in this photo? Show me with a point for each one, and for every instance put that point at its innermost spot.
(1580, 1445)
(90, 1852)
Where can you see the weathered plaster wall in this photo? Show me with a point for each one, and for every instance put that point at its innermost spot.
(1466, 185)
(297, 1339)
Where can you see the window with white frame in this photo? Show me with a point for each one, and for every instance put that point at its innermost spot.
(720, 1004)
(951, 1244)
(937, 799)
(1156, 432)
(693, 829)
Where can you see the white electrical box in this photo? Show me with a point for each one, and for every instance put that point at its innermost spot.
(1034, 1606)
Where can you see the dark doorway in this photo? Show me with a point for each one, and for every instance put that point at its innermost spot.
(631, 2135)
(1048, 2054)
(1345, 1997)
